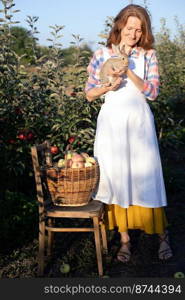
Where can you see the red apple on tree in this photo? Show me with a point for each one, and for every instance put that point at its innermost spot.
(22, 136)
(30, 135)
(11, 141)
(54, 149)
(71, 139)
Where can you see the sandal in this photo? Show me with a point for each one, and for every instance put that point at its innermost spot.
(164, 251)
(124, 253)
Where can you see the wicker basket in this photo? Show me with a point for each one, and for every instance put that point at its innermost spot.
(72, 187)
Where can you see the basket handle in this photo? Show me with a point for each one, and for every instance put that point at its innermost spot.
(68, 147)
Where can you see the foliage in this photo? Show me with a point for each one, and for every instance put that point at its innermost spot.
(18, 214)
(169, 107)
(70, 54)
(21, 41)
(43, 101)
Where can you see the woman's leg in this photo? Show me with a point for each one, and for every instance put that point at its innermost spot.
(124, 253)
(165, 251)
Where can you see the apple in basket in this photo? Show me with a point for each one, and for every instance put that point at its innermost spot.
(77, 161)
(91, 160)
(87, 164)
(69, 154)
(67, 158)
(61, 163)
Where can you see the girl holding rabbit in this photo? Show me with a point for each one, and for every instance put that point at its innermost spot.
(131, 180)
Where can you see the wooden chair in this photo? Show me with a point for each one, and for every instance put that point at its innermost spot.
(48, 212)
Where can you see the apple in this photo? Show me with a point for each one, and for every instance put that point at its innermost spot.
(71, 139)
(69, 154)
(54, 149)
(77, 157)
(11, 141)
(77, 164)
(61, 163)
(68, 163)
(91, 160)
(21, 136)
(30, 135)
(65, 268)
(88, 164)
(179, 275)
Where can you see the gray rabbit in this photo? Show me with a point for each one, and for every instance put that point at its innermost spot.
(120, 62)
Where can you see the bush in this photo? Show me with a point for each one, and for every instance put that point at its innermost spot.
(39, 102)
(18, 214)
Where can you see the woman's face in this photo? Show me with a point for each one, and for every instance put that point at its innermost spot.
(131, 32)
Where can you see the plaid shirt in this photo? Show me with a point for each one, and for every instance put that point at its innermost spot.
(151, 74)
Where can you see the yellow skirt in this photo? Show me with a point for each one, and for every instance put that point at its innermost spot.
(151, 220)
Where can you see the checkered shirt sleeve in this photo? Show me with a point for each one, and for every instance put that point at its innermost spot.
(93, 70)
(151, 79)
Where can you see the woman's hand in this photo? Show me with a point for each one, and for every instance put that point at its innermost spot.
(96, 92)
(115, 85)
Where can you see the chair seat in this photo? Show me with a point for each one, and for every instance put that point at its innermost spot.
(93, 209)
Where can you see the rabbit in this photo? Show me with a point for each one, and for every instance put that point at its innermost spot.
(120, 62)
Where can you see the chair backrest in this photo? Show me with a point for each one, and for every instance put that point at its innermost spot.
(41, 157)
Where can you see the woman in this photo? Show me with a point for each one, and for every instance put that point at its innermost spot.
(131, 179)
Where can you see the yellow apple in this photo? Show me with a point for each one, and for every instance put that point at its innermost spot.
(91, 160)
(69, 154)
(65, 268)
(61, 163)
(88, 164)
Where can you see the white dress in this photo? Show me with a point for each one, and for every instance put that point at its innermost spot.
(126, 147)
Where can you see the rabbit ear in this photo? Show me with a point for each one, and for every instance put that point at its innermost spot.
(122, 49)
(116, 49)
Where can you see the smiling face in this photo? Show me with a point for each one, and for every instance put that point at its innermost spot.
(131, 32)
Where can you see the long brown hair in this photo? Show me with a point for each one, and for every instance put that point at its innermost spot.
(147, 39)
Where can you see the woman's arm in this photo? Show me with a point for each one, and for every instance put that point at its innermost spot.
(96, 92)
(93, 88)
(151, 80)
(150, 85)
(139, 83)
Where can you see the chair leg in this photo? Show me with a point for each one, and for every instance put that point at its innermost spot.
(50, 238)
(104, 237)
(98, 245)
(41, 248)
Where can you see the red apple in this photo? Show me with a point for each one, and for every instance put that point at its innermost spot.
(30, 136)
(54, 149)
(71, 139)
(11, 141)
(21, 136)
